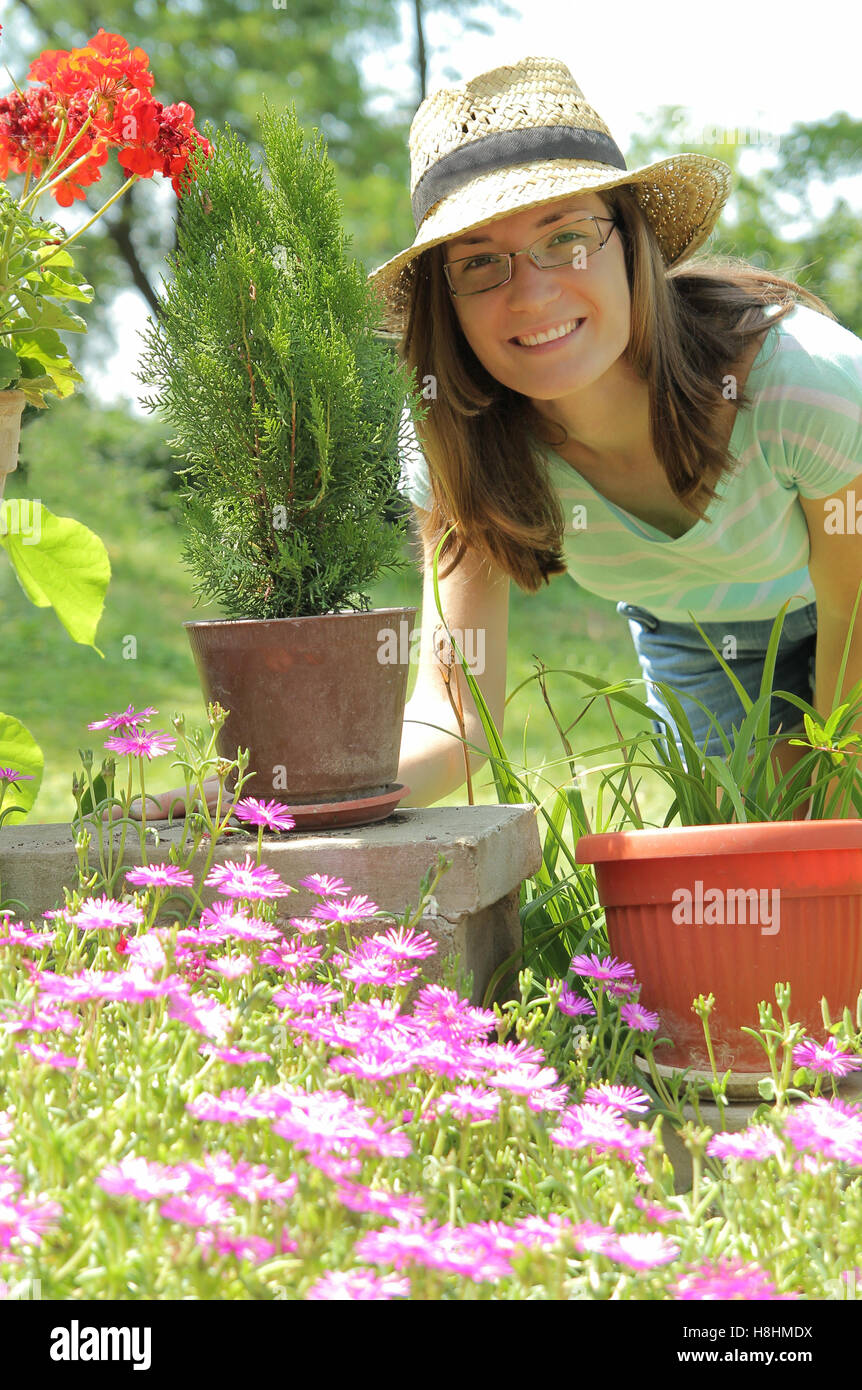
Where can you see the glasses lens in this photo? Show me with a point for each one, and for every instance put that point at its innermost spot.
(568, 245)
(480, 272)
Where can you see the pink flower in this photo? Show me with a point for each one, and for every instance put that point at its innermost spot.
(274, 815)
(729, 1279)
(160, 876)
(404, 944)
(831, 1128)
(127, 720)
(49, 1021)
(827, 1058)
(618, 1097)
(60, 1061)
(755, 1143)
(574, 1004)
(291, 957)
(442, 1009)
(102, 913)
(246, 880)
(642, 1249)
(223, 920)
(137, 1177)
(396, 1206)
(200, 1209)
(651, 1212)
(469, 1103)
(323, 884)
(601, 1129)
(356, 1284)
(201, 1014)
(306, 998)
(355, 910)
(607, 969)
(231, 967)
(24, 1220)
(639, 1018)
(9, 774)
(370, 966)
(142, 744)
(253, 1248)
(19, 935)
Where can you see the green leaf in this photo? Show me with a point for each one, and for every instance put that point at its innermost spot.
(67, 569)
(766, 1087)
(9, 369)
(100, 787)
(44, 314)
(19, 750)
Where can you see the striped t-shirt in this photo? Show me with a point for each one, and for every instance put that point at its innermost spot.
(801, 437)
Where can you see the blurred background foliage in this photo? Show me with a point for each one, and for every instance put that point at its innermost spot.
(112, 468)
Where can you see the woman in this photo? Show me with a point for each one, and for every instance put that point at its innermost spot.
(589, 405)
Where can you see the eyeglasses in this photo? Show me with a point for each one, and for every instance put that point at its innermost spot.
(566, 245)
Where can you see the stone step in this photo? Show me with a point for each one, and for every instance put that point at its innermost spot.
(491, 850)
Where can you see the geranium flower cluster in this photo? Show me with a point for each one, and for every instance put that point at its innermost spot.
(86, 102)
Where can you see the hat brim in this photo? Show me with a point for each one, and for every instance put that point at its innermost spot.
(681, 196)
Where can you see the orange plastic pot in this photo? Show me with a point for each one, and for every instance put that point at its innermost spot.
(731, 910)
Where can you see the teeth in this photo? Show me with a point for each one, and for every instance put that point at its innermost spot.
(550, 335)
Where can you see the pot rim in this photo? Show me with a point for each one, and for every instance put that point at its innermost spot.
(309, 618)
(691, 841)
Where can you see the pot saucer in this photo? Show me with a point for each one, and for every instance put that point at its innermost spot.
(741, 1085)
(363, 810)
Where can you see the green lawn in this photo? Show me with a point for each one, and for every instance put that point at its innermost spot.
(91, 465)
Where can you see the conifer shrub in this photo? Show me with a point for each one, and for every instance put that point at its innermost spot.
(285, 409)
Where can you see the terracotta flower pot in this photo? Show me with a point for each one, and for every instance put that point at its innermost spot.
(11, 407)
(680, 906)
(318, 702)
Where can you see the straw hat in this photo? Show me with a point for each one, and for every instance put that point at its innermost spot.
(518, 136)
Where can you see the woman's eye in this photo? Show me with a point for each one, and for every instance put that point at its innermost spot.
(476, 260)
(566, 234)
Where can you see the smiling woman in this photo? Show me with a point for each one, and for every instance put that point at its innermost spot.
(662, 426)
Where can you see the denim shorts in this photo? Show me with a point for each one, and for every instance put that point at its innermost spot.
(677, 654)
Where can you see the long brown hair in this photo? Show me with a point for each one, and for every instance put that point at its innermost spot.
(690, 325)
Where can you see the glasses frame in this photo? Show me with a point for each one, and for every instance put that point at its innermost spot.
(527, 251)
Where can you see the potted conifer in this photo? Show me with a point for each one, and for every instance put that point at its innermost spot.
(286, 410)
(738, 895)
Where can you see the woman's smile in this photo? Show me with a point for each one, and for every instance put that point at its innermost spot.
(572, 325)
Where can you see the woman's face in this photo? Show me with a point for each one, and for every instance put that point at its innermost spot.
(535, 300)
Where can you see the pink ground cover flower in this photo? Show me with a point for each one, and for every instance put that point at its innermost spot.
(254, 1182)
(755, 1143)
(332, 1122)
(98, 914)
(50, 1020)
(469, 1103)
(146, 953)
(232, 1106)
(291, 957)
(661, 1215)
(160, 876)
(16, 934)
(404, 944)
(306, 998)
(481, 1251)
(379, 1059)
(439, 1008)
(358, 1284)
(199, 1209)
(639, 1018)
(397, 1206)
(831, 1128)
(253, 1248)
(144, 743)
(246, 880)
(574, 1004)
(608, 968)
(231, 967)
(643, 1249)
(60, 1061)
(368, 966)
(606, 1131)
(324, 885)
(826, 1059)
(728, 1279)
(273, 815)
(624, 1098)
(140, 1178)
(129, 719)
(23, 1220)
(356, 909)
(201, 1014)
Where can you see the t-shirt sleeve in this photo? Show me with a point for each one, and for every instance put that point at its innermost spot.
(821, 413)
(414, 483)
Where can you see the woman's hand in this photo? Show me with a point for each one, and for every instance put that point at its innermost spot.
(173, 802)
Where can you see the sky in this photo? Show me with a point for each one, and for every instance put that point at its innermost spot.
(752, 69)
